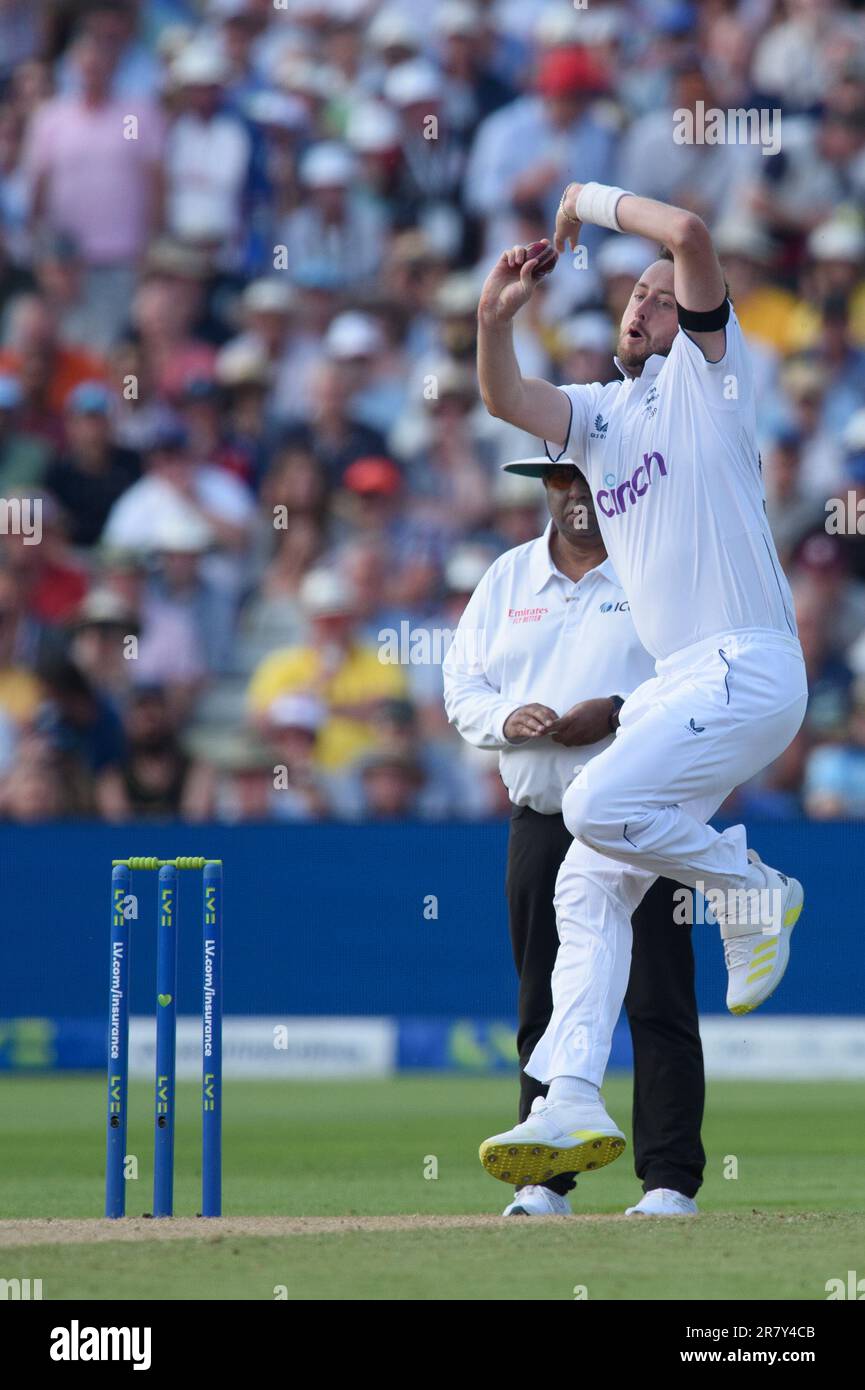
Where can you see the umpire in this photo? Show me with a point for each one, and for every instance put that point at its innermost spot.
(543, 657)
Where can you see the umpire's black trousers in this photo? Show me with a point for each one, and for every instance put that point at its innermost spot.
(669, 1084)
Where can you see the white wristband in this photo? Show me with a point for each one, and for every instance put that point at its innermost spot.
(597, 204)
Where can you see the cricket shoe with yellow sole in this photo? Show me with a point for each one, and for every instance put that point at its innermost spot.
(756, 960)
(557, 1137)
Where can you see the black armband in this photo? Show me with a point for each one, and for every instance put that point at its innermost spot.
(617, 702)
(704, 320)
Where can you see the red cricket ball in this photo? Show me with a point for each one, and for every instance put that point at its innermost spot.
(547, 258)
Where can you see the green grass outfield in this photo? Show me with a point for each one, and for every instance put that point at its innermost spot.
(793, 1218)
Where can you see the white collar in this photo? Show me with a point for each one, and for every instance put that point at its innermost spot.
(651, 367)
(542, 569)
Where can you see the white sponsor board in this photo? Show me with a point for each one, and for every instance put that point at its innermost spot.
(298, 1048)
(780, 1048)
(793, 1048)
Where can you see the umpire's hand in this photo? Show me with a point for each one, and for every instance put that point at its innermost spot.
(587, 722)
(529, 721)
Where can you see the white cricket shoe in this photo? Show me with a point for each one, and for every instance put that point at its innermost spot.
(663, 1201)
(538, 1201)
(557, 1137)
(756, 960)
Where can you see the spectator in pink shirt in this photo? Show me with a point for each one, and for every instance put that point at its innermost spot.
(93, 167)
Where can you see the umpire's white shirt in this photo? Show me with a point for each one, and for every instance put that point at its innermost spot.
(531, 635)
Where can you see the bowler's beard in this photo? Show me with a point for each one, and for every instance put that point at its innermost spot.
(634, 354)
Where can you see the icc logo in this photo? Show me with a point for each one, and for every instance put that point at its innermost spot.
(623, 607)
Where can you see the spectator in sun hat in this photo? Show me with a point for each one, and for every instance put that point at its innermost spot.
(394, 37)
(585, 347)
(836, 249)
(373, 133)
(238, 773)
(333, 665)
(332, 220)
(504, 165)
(202, 292)
(183, 588)
(93, 471)
(406, 767)
(415, 90)
(99, 642)
(391, 786)
(208, 152)
(374, 371)
(281, 125)
(335, 434)
(292, 726)
(273, 332)
(411, 276)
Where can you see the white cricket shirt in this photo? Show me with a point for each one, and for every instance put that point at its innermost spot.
(672, 460)
(531, 635)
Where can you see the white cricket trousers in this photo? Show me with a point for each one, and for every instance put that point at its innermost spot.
(713, 716)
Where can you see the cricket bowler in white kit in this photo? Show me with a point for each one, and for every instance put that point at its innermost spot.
(671, 457)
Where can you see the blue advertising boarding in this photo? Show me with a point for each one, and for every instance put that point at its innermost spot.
(399, 920)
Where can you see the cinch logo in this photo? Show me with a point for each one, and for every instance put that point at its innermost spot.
(614, 501)
(623, 607)
(600, 430)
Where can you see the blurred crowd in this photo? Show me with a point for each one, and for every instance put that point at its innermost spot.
(241, 245)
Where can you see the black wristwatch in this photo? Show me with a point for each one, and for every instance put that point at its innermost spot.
(616, 701)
